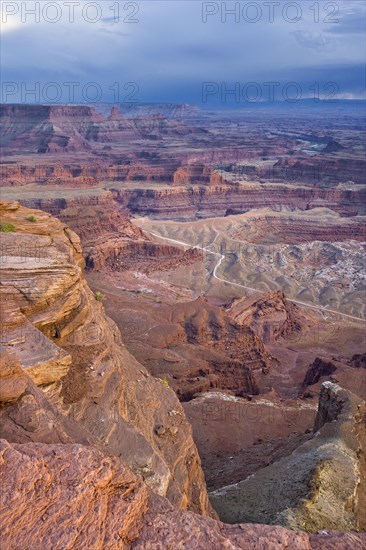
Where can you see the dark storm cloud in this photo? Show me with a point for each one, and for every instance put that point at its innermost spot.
(350, 79)
(169, 52)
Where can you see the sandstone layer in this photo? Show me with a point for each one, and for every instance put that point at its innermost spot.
(223, 200)
(58, 330)
(194, 346)
(111, 242)
(95, 452)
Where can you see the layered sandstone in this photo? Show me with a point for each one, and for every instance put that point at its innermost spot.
(111, 242)
(146, 257)
(59, 332)
(271, 317)
(46, 129)
(331, 170)
(59, 129)
(62, 488)
(89, 173)
(326, 170)
(221, 200)
(173, 202)
(274, 227)
(194, 346)
(195, 173)
(103, 231)
(84, 424)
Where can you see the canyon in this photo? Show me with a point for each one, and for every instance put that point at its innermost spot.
(183, 297)
(64, 398)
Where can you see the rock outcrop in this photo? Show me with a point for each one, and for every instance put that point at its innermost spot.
(111, 241)
(53, 490)
(146, 257)
(358, 361)
(103, 231)
(62, 488)
(274, 227)
(271, 317)
(326, 170)
(73, 496)
(59, 332)
(194, 346)
(321, 485)
(46, 129)
(195, 174)
(95, 452)
(59, 129)
(221, 200)
(317, 370)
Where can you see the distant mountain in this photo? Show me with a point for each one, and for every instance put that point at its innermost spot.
(60, 128)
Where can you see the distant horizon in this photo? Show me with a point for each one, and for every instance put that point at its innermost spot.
(230, 106)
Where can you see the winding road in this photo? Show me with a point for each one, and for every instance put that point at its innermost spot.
(221, 257)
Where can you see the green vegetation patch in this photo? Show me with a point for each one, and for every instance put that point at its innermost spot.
(99, 296)
(7, 227)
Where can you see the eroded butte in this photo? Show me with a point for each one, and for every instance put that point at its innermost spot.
(183, 331)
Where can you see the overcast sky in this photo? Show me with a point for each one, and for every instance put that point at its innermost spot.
(169, 49)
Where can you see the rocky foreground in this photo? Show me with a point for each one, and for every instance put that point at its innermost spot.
(96, 452)
(328, 471)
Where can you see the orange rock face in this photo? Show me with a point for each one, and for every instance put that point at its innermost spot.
(95, 452)
(13, 382)
(72, 496)
(68, 496)
(271, 314)
(62, 338)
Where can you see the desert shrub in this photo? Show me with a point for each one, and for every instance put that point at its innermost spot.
(7, 227)
(165, 382)
(31, 218)
(99, 296)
